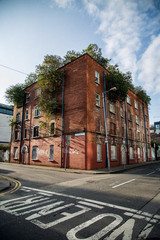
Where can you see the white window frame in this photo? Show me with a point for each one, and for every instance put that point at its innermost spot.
(131, 153)
(25, 133)
(18, 116)
(135, 104)
(26, 114)
(137, 120)
(36, 111)
(15, 153)
(113, 153)
(27, 97)
(128, 99)
(52, 122)
(16, 133)
(121, 112)
(97, 100)
(97, 77)
(51, 153)
(99, 152)
(112, 107)
(36, 153)
(139, 152)
(33, 132)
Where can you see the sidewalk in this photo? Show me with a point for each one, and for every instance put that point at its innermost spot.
(5, 184)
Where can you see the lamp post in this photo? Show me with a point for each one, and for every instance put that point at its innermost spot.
(105, 121)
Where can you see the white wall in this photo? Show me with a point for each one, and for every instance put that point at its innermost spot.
(5, 129)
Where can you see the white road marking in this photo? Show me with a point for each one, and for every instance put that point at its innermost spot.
(43, 203)
(146, 231)
(150, 173)
(71, 235)
(123, 183)
(66, 217)
(90, 204)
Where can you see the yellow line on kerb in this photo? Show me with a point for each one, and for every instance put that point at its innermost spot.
(15, 188)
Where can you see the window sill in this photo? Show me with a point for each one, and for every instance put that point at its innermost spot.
(34, 159)
(99, 161)
(37, 116)
(36, 137)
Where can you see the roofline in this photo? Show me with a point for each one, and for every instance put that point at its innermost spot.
(79, 58)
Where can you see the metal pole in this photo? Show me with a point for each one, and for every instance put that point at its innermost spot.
(62, 114)
(105, 121)
(126, 120)
(145, 132)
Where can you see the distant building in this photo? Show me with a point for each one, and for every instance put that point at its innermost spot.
(6, 113)
(157, 127)
(75, 138)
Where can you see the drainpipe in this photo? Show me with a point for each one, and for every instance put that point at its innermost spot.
(145, 132)
(126, 132)
(62, 117)
(105, 121)
(30, 132)
(21, 138)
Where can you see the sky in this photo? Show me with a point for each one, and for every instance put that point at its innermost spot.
(127, 31)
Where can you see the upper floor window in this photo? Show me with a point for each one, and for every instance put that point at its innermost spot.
(135, 104)
(36, 131)
(128, 99)
(25, 132)
(137, 120)
(112, 107)
(37, 92)
(52, 128)
(18, 117)
(27, 97)
(112, 128)
(121, 111)
(26, 114)
(97, 77)
(129, 116)
(36, 111)
(16, 133)
(97, 100)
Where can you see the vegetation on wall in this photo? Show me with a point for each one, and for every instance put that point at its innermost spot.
(49, 79)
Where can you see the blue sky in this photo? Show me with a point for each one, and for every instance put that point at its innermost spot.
(127, 31)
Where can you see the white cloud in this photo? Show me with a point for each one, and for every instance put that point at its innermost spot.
(149, 66)
(63, 3)
(126, 28)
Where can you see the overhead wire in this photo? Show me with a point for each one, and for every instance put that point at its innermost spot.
(13, 69)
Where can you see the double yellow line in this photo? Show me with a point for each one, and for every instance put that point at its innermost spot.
(15, 188)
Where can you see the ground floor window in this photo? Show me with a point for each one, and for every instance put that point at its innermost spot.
(99, 154)
(51, 153)
(139, 152)
(113, 153)
(149, 152)
(131, 153)
(15, 154)
(34, 152)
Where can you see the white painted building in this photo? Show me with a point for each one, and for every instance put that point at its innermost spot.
(6, 113)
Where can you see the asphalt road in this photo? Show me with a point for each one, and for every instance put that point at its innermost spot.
(46, 204)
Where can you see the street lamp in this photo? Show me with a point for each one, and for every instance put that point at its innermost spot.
(105, 121)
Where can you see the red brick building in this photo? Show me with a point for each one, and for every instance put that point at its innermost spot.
(82, 123)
